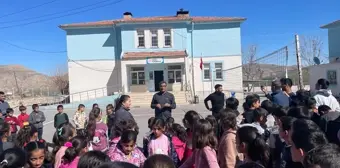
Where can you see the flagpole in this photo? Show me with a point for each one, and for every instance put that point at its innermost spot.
(202, 76)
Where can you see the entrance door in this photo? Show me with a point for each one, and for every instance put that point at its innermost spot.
(159, 77)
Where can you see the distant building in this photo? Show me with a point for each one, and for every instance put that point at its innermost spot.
(330, 71)
(134, 54)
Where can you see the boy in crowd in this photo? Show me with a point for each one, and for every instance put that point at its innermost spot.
(13, 122)
(60, 117)
(37, 118)
(23, 116)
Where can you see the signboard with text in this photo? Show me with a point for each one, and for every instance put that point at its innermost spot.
(155, 60)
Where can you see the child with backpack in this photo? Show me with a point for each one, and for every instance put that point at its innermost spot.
(160, 143)
(60, 117)
(204, 145)
(97, 131)
(188, 121)
(178, 139)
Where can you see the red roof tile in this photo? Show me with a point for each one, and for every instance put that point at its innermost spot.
(136, 55)
(154, 19)
(337, 22)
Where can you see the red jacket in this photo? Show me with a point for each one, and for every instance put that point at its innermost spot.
(23, 117)
(13, 122)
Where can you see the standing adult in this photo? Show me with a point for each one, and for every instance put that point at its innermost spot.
(324, 96)
(122, 110)
(286, 85)
(217, 101)
(277, 96)
(3, 104)
(163, 102)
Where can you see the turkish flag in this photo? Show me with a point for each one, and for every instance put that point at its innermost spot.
(201, 63)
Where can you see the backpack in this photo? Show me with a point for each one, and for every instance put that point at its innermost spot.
(172, 153)
(100, 140)
(179, 147)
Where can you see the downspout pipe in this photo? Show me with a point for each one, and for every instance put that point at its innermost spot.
(192, 60)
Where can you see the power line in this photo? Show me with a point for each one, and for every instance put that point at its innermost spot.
(33, 50)
(56, 13)
(99, 70)
(27, 9)
(57, 17)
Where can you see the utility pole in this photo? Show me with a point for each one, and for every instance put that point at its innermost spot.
(298, 59)
(16, 83)
(287, 54)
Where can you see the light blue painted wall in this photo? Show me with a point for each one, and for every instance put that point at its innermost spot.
(128, 36)
(220, 39)
(334, 42)
(89, 44)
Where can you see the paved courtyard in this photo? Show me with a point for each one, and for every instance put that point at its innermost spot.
(141, 115)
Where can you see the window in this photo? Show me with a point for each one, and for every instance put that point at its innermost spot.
(206, 71)
(218, 71)
(137, 76)
(167, 37)
(174, 74)
(154, 38)
(141, 38)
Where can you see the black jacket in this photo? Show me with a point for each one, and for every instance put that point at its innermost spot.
(122, 114)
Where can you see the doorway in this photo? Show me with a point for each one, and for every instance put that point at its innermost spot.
(159, 77)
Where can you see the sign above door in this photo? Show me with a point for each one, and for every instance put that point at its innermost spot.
(155, 60)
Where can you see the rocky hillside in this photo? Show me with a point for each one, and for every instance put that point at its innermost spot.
(29, 81)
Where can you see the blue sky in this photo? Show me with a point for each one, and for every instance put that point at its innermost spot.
(270, 25)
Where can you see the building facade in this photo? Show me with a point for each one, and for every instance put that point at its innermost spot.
(135, 54)
(331, 70)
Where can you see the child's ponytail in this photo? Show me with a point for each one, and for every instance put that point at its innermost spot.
(63, 134)
(13, 157)
(74, 148)
(257, 149)
(91, 126)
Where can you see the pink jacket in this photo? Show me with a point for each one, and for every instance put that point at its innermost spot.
(202, 158)
(73, 164)
(59, 155)
(227, 152)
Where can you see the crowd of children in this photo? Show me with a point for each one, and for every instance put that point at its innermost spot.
(304, 134)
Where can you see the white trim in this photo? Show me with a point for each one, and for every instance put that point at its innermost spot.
(137, 77)
(160, 38)
(218, 69)
(204, 68)
(147, 38)
(156, 30)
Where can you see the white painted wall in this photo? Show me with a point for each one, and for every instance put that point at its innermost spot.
(320, 71)
(232, 78)
(93, 75)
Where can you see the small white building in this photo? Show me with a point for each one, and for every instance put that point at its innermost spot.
(331, 70)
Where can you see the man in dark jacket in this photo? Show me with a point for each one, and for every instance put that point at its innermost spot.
(278, 96)
(3, 104)
(217, 100)
(163, 102)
